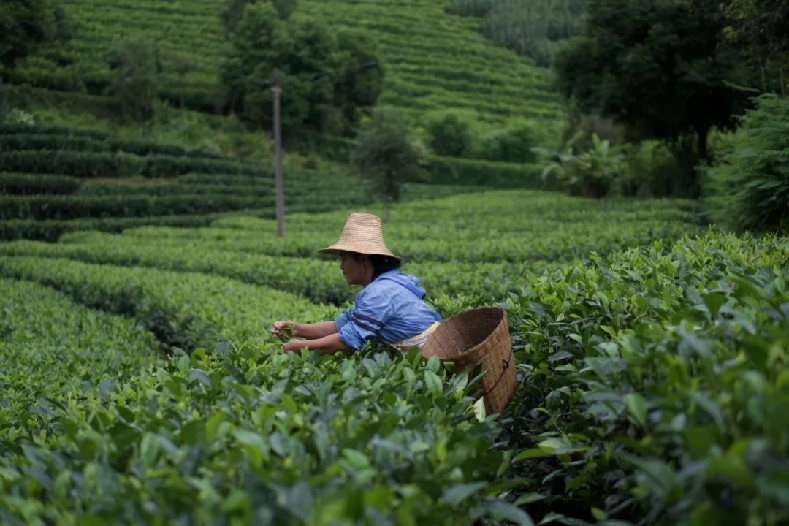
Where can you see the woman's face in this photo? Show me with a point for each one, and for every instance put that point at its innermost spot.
(355, 271)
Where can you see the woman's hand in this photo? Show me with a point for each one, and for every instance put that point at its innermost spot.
(282, 328)
(294, 345)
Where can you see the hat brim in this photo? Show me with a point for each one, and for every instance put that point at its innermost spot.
(341, 248)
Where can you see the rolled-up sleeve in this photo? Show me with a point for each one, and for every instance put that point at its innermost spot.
(364, 320)
(342, 319)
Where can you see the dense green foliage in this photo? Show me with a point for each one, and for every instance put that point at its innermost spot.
(239, 247)
(141, 383)
(25, 26)
(645, 83)
(639, 372)
(678, 72)
(387, 155)
(759, 28)
(134, 79)
(749, 188)
(639, 349)
(300, 47)
(51, 347)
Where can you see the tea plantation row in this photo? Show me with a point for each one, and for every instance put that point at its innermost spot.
(452, 244)
(58, 180)
(443, 62)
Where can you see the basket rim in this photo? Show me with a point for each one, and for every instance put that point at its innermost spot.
(475, 348)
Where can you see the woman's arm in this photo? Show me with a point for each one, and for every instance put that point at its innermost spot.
(327, 345)
(314, 331)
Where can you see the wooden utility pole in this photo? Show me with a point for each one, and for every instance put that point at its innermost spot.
(280, 195)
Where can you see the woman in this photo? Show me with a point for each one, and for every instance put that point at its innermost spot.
(389, 307)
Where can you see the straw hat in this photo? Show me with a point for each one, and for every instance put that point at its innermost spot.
(362, 233)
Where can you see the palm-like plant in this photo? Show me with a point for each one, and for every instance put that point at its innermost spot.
(589, 173)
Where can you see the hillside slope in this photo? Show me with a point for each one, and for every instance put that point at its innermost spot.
(56, 179)
(434, 60)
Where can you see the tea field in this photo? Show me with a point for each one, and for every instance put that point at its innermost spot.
(57, 179)
(434, 60)
(142, 385)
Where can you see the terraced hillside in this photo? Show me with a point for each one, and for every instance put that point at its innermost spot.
(56, 180)
(434, 60)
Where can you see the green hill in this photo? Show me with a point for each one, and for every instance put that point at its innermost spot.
(434, 60)
(55, 180)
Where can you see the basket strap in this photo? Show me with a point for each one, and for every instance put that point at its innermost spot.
(506, 362)
(444, 314)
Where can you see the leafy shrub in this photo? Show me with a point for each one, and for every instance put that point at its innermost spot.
(452, 171)
(653, 385)
(52, 142)
(749, 188)
(474, 8)
(511, 145)
(135, 83)
(120, 164)
(588, 172)
(18, 128)
(386, 153)
(655, 169)
(450, 134)
(64, 207)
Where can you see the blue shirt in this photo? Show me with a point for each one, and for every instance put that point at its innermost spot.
(389, 308)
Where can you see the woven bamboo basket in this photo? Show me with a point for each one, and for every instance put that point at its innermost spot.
(474, 337)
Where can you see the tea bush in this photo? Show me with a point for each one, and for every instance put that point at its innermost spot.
(493, 257)
(652, 366)
(54, 349)
(636, 374)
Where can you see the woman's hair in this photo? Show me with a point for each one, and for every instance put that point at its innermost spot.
(380, 264)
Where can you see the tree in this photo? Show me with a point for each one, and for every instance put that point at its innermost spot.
(659, 69)
(182, 66)
(24, 26)
(285, 8)
(358, 76)
(298, 49)
(234, 10)
(386, 153)
(320, 93)
(135, 81)
(450, 135)
(250, 46)
(760, 28)
(231, 14)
